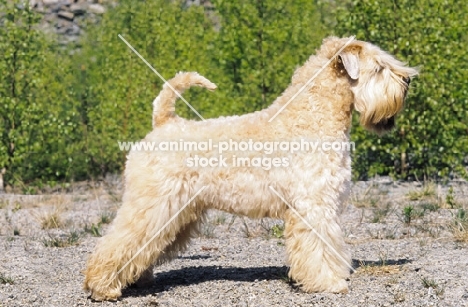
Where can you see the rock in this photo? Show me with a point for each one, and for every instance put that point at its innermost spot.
(55, 8)
(50, 2)
(73, 30)
(96, 9)
(63, 25)
(68, 18)
(40, 9)
(50, 18)
(78, 9)
(66, 15)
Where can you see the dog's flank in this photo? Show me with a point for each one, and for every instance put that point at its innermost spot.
(164, 104)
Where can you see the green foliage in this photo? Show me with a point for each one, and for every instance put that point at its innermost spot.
(116, 87)
(408, 214)
(65, 108)
(259, 45)
(277, 231)
(22, 53)
(104, 91)
(431, 138)
(450, 198)
(38, 131)
(461, 215)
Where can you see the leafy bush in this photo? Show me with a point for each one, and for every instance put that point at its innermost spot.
(65, 108)
(36, 115)
(431, 138)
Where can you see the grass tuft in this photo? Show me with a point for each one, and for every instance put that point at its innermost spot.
(106, 217)
(459, 226)
(50, 219)
(6, 279)
(426, 192)
(94, 229)
(450, 199)
(431, 283)
(379, 214)
(410, 214)
(371, 197)
(70, 239)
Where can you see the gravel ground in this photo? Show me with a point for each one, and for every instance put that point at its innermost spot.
(238, 261)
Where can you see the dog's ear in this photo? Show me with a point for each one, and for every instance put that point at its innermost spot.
(350, 62)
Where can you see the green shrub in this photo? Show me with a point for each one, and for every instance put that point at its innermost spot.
(65, 107)
(431, 138)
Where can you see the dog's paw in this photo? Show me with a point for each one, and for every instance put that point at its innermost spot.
(339, 287)
(109, 296)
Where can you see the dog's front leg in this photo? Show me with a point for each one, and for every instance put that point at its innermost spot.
(318, 258)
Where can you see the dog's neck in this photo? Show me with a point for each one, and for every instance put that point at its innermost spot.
(313, 111)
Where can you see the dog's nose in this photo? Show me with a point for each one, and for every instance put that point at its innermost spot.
(407, 80)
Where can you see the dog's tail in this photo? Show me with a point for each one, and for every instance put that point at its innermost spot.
(164, 104)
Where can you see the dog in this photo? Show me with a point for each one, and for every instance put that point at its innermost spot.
(166, 196)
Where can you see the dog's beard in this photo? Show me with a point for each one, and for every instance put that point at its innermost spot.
(384, 125)
(378, 104)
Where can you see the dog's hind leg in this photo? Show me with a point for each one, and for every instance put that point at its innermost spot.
(316, 250)
(139, 235)
(179, 245)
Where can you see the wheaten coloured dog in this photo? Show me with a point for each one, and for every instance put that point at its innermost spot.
(316, 184)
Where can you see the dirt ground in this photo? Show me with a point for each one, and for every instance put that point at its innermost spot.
(409, 243)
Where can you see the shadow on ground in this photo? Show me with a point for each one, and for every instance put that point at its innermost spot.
(356, 264)
(164, 281)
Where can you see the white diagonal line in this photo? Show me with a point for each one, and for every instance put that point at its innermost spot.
(162, 228)
(161, 77)
(308, 225)
(311, 79)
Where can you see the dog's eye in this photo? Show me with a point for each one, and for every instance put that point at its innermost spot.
(407, 80)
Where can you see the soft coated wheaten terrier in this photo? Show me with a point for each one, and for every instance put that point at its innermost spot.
(305, 188)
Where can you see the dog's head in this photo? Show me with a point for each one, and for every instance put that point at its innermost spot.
(378, 81)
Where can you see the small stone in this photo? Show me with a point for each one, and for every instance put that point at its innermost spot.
(50, 2)
(96, 9)
(40, 9)
(66, 15)
(77, 9)
(49, 18)
(73, 30)
(63, 26)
